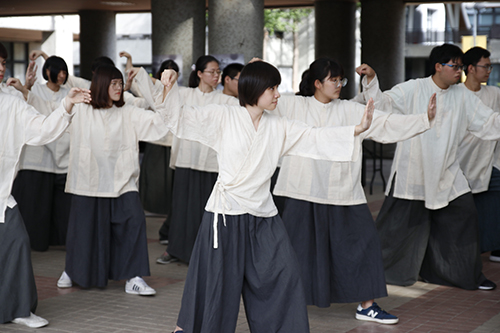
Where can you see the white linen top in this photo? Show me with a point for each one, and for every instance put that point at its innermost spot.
(185, 153)
(477, 156)
(21, 124)
(427, 166)
(248, 157)
(54, 156)
(104, 151)
(336, 183)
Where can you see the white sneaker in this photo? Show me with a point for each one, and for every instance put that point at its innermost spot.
(32, 321)
(138, 286)
(64, 281)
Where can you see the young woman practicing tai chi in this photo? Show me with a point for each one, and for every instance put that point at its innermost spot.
(242, 247)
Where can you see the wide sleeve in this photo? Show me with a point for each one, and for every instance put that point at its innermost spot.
(78, 82)
(148, 125)
(40, 129)
(390, 127)
(393, 101)
(324, 143)
(483, 122)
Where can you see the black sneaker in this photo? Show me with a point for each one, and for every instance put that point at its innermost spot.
(375, 313)
(487, 285)
(495, 256)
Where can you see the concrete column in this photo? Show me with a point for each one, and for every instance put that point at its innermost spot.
(236, 26)
(335, 36)
(383, 39)
(97, 38)
(179, 29)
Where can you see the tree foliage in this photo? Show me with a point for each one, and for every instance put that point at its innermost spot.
(285, 20)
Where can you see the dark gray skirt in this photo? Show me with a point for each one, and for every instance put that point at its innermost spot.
(156, 179)
(338, 251)
(44, 207)
(441, 245)
(254, 259)
(106, 240)
(488, 214)
(18, 295)
(192, 188)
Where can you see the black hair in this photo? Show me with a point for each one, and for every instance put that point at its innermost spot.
(54, 64)
(3, 51)
(254, 79)
(231, 70)
(320, 69)
(473, 56)
(442, 54)
(99, 88)
(101, 61)
(201, 65)
(167, 64)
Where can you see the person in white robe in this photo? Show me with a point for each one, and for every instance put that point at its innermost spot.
(480, 159)
(195, 164)
(242, 246)
(428, 222)
(39, 185)
(21, 124)
(326, 214)
(107, 228)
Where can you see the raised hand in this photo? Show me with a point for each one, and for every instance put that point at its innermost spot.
(16, 83)
(366, 121)
(37, 53)
(431, 109)
(127, 55)
(79, 95)
(31, 75)
(365, 69)
(168, 77)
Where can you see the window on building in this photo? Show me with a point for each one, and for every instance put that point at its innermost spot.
(18, 60)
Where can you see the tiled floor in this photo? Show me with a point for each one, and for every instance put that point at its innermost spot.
(422, 307)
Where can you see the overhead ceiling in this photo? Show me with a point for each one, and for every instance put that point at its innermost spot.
(46, 7)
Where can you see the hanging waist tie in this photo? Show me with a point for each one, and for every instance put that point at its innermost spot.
(220, 197)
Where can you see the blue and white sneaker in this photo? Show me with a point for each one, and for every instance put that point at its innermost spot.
(375, 313)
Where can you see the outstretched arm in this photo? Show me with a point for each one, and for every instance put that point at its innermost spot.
(35, 54)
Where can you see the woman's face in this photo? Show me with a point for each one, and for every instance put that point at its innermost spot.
(269, 99)
(211, 74)
(61, 77)
(115, 90)
(329, 89)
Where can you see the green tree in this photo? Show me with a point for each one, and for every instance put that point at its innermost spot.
(287, 20)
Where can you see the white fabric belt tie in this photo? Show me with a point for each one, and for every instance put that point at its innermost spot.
(220, 197)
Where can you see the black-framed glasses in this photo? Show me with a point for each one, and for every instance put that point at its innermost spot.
(489, 68)
(455, 67)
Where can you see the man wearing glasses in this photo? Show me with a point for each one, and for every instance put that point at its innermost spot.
(428, 222)
(479, 159)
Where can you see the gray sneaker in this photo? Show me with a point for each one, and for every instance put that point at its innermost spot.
(165, 259)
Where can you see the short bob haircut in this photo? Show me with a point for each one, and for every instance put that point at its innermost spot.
(100, 85)
(54, 64)
(3, 51)
(442, 54)
(473, 56)
(254, 79)
(231, 70)
(167, 64)
(201, 65)
(320, 69)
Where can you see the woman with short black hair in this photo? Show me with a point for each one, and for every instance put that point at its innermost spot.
(242, 246)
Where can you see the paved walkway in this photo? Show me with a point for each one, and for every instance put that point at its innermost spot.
(422, 307)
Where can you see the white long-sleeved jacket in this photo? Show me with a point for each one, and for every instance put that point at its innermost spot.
(477, 156)
(427, 166)
(21, 124)
(329, 182)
